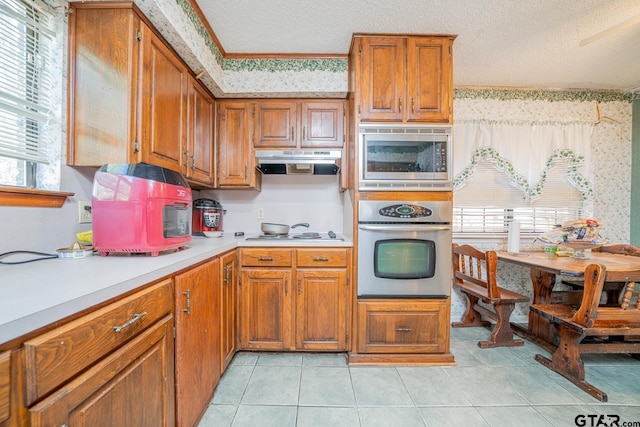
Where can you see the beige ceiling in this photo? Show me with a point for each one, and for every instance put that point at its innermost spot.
(507, 43)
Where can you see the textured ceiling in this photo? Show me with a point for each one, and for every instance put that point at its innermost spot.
(506, 43)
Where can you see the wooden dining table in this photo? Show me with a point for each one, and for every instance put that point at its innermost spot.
(544, 268)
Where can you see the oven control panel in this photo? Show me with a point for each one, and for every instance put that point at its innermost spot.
(405, 211)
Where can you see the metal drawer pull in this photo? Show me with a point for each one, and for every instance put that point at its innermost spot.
(133, 320)
(403, 329)
(320, 258)
(265, 258)
(187, 293)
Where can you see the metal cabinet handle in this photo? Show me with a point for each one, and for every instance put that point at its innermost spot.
(320, 258)
(400, 104)
(193, 162)
(304, 133)
(226, 273)
(265, 258)
(292, 133)
(286, 288)
(403, 329)
(413, 101)
(187, 293)
(130, 322)
(299, 286)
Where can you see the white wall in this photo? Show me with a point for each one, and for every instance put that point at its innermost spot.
(285, 199)
(47, 229)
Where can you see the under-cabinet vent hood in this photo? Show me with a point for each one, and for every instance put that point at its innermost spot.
(297, 162)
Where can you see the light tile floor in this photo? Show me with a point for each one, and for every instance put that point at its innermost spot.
(488, 387)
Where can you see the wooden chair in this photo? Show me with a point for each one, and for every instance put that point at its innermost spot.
(475, 275)
(591, 328)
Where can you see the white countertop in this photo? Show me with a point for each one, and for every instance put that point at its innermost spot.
(39, 293)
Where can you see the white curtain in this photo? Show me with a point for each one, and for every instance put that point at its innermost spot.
(525, 151)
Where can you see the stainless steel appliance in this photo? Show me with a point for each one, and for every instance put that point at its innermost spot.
(298, 162)
(307, 235)
(407, 157)
(404, 249)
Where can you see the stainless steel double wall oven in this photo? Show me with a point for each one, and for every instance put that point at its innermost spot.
(404, 246)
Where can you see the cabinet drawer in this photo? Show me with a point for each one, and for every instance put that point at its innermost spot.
(321, 257)
(403, 327)
(266, 257)
(5, 385)
(57, 356)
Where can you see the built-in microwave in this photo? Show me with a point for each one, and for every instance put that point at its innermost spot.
(404, 157)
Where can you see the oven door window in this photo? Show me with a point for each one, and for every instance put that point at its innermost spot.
(404, 259)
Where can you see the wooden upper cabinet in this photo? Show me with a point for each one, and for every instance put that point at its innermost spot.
(322, 124)
(200, 134)
(276, 124)
(404, 79)
(382, 77)
(299, 124)
(236, 163)
(131, 98)
(164, 88)
(103, 85)
(429, 79)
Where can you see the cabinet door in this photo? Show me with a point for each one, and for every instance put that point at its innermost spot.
(429, 79)
(235, 157)
(322, 124)
(266, 309)
(5, 386)
(197, 340)
(200, 128)
(131, 387)
(321, 309)
(382, 78)
(228, 307)
(164, 84)
(276, 124)
(403, 327)
(103, 85)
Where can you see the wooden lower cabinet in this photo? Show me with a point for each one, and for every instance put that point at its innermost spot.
(198, 366)
(265, 309)
(131, 387)
(321, 309)
(228, 308)
(294, 299)
(412, 331)
(5, 385)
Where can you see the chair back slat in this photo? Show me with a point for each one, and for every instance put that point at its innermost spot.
(477, 267)
(593, 284)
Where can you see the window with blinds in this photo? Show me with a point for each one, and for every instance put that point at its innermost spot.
(26, 40)
(488, 203)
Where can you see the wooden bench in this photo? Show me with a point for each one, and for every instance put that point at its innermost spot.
(591, 328)
(474, 274)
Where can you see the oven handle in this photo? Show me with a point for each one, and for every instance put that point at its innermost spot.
(411, 227)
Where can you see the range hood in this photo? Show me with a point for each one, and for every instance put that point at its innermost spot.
(298, 162)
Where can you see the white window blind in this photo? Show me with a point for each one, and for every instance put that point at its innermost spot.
(488, 202)
(25, 79)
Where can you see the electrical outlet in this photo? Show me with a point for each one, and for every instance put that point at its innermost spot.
(84, 212)
(260, 213)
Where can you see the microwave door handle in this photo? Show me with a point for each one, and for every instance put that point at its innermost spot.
(407, 227)
(180, 205)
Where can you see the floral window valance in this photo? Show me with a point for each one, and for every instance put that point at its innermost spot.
(525, 152)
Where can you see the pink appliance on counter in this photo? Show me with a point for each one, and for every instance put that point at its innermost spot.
(140, 208)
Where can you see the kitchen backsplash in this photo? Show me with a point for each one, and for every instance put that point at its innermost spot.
(284, 199)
